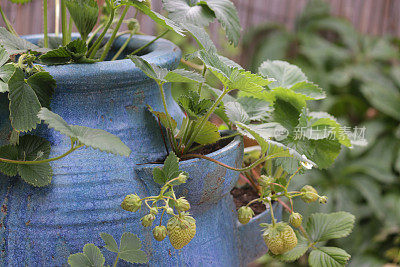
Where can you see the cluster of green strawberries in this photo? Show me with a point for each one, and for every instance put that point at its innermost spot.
(279, 237)
(181, 227)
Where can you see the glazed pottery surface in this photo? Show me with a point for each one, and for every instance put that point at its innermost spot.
(43, 226)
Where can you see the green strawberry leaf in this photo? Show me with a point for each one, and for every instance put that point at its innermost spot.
(6, 71)
(226, 13)
(232, 77)
(208, 134)
(163, 118)
(84, 14)
(317, 122)
(8, 152)
(91, 257)
(162, 75)
(111, 244)
(73, 52)
(43, 84)
(37, 174)
(298, 251)
(285, 74)
(31, 148)
(310, 90)
(129, 249)
(201, 36)
(56, 56)
(169, 171)
(16, 45)
(188, 12)
(235, 112)
(4, 56)
(323, 227)
(193, 105)
(95, 138)
(286, 114)
(328, 257)
(24, 104)
(257, 109)
(262, 134)
(156, 17)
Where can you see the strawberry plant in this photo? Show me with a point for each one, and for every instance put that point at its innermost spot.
(269, 106)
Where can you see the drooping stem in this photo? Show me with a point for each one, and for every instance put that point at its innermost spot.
(149, 43)
(45, 31)
(271, 212)
(94, 33)
(34, 162)
(204, 120)
(92, 51)
(290, 178)
(64, 25)
(254, 200)
(254, 164)
(69, 36)
(57, 18)
(114, 33)
(122, 48)
(7, 22)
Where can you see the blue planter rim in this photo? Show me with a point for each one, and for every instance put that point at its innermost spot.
(161, 53)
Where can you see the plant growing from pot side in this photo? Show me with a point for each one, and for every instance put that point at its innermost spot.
(269, 107)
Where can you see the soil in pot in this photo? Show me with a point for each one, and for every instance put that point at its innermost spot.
(204, 150)
(242, 196)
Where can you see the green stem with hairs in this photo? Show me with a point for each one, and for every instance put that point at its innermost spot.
(271, 212)
(92, 51)
(64, 25)
(254, 164)
(45, 31)
(149, 43)
(201, 84)
(94, 33)
(114, 33)
(122, 48)
(34, 162)
(7, 22)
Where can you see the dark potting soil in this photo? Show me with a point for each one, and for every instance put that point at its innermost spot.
(242, 196)
(204, 150)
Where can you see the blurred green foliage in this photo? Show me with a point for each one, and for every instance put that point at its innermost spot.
(361, 76)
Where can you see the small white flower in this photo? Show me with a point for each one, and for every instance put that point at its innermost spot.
(306, 165)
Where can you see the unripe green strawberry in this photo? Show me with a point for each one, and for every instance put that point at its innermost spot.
(131, 203)
(245, 214)
(279, 238)
(148, 220)
(181, 230)
(169, 211)
(310, 194)
(182, 204)
(153, 210)
(182, 178)
(159, 232)
(295, 219)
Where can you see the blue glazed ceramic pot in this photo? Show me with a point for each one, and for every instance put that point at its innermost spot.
(43, 226)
